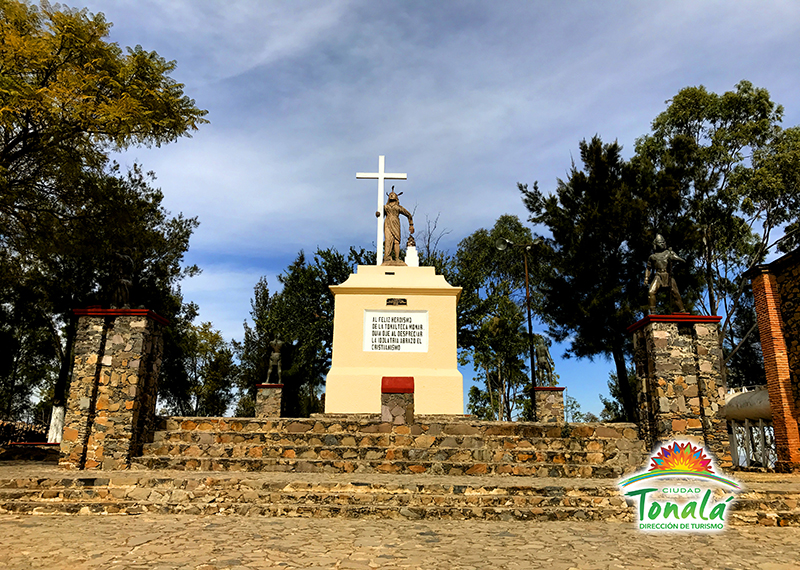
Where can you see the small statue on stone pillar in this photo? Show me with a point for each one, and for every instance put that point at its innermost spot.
(391, 228)
(275, 358)
(121, 292)
(658, 274)
(544, 362)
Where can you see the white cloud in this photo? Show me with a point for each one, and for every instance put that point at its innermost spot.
(223, 294)
(468, 98)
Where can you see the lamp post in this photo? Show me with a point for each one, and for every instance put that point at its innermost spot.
(502, 244)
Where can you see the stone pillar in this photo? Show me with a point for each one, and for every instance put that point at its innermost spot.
(550, 404)
(397, 399)
(679, 381)
(782, 395)
(268, 400)
(112, 399)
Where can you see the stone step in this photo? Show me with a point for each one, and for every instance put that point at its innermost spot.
(426, 425)
(323, 511)
(398, 467)
(360, 494)
(392, 440)
(619, 515)
(339, 497)
(123, 493)
(433, 453)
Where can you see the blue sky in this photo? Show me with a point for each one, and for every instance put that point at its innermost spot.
(467, 97)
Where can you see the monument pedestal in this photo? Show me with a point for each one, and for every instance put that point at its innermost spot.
(679, 382)
(268, 400)
(112, 396)
(549, 404)
(394, 321)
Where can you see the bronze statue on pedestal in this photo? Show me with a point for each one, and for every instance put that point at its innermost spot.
(658, 274)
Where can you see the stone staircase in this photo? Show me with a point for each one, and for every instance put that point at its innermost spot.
(432, 446)
(373, 496)
(276, 495)
(361, 467)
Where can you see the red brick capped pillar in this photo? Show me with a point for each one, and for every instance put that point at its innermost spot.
(112, 398)
(397, 399)
(776, 365)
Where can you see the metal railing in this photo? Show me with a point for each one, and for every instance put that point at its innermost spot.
(752, 444)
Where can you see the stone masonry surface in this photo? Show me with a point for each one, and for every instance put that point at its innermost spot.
(268, 400)
(550, 405)
(789, 285)
(111, 405)
(788, 282)
(151, 542)
(397, 409)
(431, 446)
(39, 489)
(680, 385)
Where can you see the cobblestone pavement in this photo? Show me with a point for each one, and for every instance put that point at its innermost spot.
(165, 542)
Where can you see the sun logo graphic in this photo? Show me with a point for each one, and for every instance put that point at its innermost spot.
(681, 491)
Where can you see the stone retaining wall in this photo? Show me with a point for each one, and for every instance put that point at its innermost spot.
(431, 446)
(354, 496)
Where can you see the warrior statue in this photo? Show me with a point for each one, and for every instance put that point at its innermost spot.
(544, 361)
(121, 291)
(391, 229)
(275, 358)
(658, 273)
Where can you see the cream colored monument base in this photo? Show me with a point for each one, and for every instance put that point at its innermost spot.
(394, 321)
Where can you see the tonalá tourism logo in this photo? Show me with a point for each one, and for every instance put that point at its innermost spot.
(681, 491)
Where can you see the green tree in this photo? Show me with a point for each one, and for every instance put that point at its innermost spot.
(744, 361)
(492, 328)
(301, 314)
(573, 413)
(211, 371)
(737, 173)
(613, 410)
(174, 389)
(67, 98)
(124, 220)
(254, 351)
(593, 289)
(206, 373)
(29, 350)
(773, 189)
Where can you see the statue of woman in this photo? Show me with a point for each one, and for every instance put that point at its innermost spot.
(391, 228)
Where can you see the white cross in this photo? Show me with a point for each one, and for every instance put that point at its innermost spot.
(381, 176)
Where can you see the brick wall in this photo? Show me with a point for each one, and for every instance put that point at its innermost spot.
(776, 288)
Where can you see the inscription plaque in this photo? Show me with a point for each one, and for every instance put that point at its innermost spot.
(395, 331)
